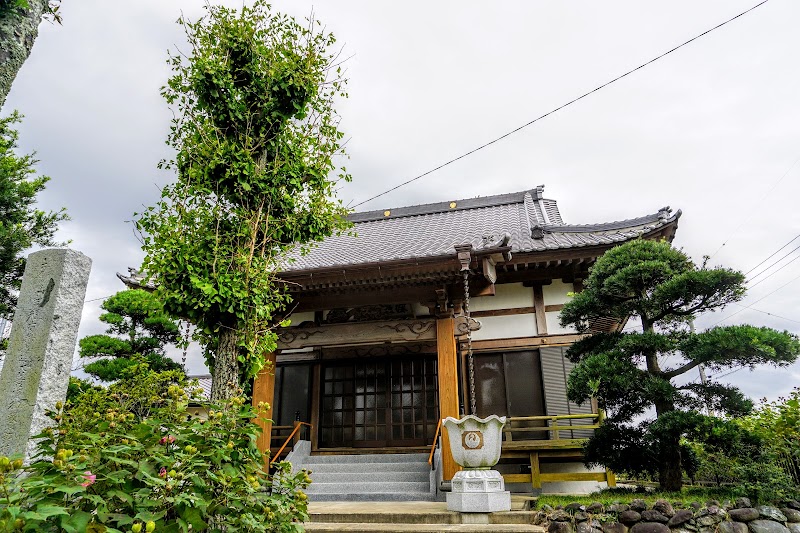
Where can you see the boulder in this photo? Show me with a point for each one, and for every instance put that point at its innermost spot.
(709, 520)
(616, 527)
(654, 516)
(546, 508)
(793, 504)
(680, 517)
(638, 505)
(581, 516)
(583, 527)
(767, 526)
(771, 513)
(695, 505)
(664, 507)
(793, 527)
(629, 517)
(560, 515)
(574, 506)
(745, 514)
(712, 503)
(650, 527)
(742, 503)
(792, 515)
(595, 507)
(618, 507)
(728, 526)
(559, 527)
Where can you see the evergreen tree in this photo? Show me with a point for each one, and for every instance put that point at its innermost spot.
(138, 327)
(22, 225)
(632, 373)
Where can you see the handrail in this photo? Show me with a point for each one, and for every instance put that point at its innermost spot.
(553, 423)
(435, 438)
(297, 426)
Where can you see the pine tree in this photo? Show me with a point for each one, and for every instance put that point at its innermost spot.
(138, 327)
(633, 373)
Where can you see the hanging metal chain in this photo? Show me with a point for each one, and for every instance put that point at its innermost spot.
(470, 362)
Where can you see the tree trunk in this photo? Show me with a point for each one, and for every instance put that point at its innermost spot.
(226, 366)
(19, 27)
(670, 469)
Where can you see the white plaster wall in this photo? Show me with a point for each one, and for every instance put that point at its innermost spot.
(506, 327)
(556, 292)
(571, 487)
(507, 296)
(299, 318)
(553, 327)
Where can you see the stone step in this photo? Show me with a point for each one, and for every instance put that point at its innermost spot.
(425, 496)
(370, 458)
(368, 475)
(368, 467)
(421, 528)
(368, 487)
(417, 516)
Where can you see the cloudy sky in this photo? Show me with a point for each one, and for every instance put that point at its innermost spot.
(713, 129)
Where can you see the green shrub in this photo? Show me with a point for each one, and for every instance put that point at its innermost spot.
(127, 470)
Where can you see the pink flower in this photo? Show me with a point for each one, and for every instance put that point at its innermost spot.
(162, 472)
(89, 477)
(167, 439)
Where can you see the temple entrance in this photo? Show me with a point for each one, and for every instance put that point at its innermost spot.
(379, 402)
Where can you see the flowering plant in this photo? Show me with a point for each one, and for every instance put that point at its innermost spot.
(168, 473)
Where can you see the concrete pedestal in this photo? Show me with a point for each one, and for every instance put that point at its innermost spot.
(478, 491)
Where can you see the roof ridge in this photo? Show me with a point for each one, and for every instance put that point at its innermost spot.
(663, 214)
(442, 207)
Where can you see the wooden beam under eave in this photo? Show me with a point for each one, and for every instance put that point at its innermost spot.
(448, 387)
(264, 391)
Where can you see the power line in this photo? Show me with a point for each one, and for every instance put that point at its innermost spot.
(771, 314)
(773, 255)
(746, 220)
(773, 264)
(581, 97)
(754, 303)
(774, 272)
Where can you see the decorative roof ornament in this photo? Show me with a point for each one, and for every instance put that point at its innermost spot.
(538, 231)
(664, 212)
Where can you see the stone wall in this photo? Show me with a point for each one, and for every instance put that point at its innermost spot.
(664, 517)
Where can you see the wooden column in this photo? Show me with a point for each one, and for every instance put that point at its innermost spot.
(264, 391)
(538, 305)
(448, 387)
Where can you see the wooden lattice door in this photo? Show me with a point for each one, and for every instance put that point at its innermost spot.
(379, 402)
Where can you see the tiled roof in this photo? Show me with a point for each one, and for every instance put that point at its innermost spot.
(531, 222)
(204, 383)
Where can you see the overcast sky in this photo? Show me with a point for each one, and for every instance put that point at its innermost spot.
(711, 129)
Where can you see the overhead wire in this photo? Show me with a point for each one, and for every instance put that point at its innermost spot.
(774, 272)
(574, 100)
(754, 303)
(773, 255)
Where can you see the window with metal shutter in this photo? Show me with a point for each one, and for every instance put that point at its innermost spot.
(555, 371)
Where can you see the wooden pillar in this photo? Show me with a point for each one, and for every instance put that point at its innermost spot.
(448, 387)
(264, 391)
(538, 305)
(536, 472)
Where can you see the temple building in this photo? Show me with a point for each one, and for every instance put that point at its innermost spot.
(385, 319)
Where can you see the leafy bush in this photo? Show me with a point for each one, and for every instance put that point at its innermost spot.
(125, 469)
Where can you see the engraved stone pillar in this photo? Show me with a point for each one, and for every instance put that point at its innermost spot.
(37, 365)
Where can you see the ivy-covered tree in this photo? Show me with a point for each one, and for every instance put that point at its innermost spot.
(19, 27)
(138, 331)
(256, 135)
(632, 373)
(22, 225)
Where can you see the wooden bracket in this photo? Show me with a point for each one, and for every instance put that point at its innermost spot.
(464, 252)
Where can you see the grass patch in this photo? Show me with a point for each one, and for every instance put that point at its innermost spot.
(625, 495)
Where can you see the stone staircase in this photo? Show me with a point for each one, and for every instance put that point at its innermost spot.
(369, 477)
(417, 517)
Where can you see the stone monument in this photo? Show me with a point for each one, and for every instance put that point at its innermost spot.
(38, 361)
(476, 445)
